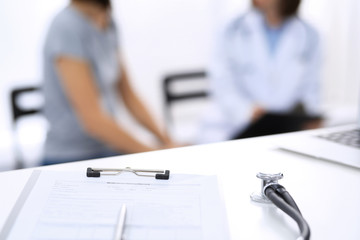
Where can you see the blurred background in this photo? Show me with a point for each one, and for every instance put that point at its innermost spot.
(162, 39)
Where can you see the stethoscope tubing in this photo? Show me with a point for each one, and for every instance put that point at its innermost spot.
(283, 200)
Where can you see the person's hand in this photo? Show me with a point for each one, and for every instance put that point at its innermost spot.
(165, 139)
(313, 124)
(257, 113)
(168, 143)
(174, 145)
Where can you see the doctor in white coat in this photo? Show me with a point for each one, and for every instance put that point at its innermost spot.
(266, 60)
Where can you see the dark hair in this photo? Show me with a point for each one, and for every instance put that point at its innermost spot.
(289, 8)
(102, 3)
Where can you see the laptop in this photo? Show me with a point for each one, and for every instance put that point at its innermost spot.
(340, 144)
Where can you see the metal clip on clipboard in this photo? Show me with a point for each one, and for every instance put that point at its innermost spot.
(158, 174)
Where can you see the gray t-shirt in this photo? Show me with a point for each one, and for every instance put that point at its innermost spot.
(72, 34)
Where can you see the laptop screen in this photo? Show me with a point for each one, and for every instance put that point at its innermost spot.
(359, 110)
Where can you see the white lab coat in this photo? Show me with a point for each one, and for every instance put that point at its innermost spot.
(245, 73)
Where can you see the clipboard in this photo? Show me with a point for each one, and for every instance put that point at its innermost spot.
(66, 202)
(157, 174)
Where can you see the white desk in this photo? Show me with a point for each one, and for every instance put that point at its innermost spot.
(328, 194)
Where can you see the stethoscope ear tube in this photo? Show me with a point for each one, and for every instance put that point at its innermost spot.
(283, 200)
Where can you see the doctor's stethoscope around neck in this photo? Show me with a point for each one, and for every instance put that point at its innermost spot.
(273, 192)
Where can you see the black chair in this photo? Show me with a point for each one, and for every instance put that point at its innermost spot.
(173, 97)
(18, 112)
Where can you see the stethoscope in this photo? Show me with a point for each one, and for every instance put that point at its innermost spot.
(273, 192)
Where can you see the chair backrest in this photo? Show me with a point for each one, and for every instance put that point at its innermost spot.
(31, 150)
(185, 89)
(19, 111)
(172, 97)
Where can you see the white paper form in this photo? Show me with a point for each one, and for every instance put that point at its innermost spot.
(65, 205)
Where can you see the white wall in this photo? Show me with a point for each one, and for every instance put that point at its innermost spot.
(158, 37)
(339, 25)
(162, 36)
(23, 25)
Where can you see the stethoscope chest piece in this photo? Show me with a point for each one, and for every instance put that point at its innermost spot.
(266, 180)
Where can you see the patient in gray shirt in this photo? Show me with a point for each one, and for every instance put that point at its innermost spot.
(75, 37)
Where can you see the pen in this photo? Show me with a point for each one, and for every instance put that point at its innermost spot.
(120, 224)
